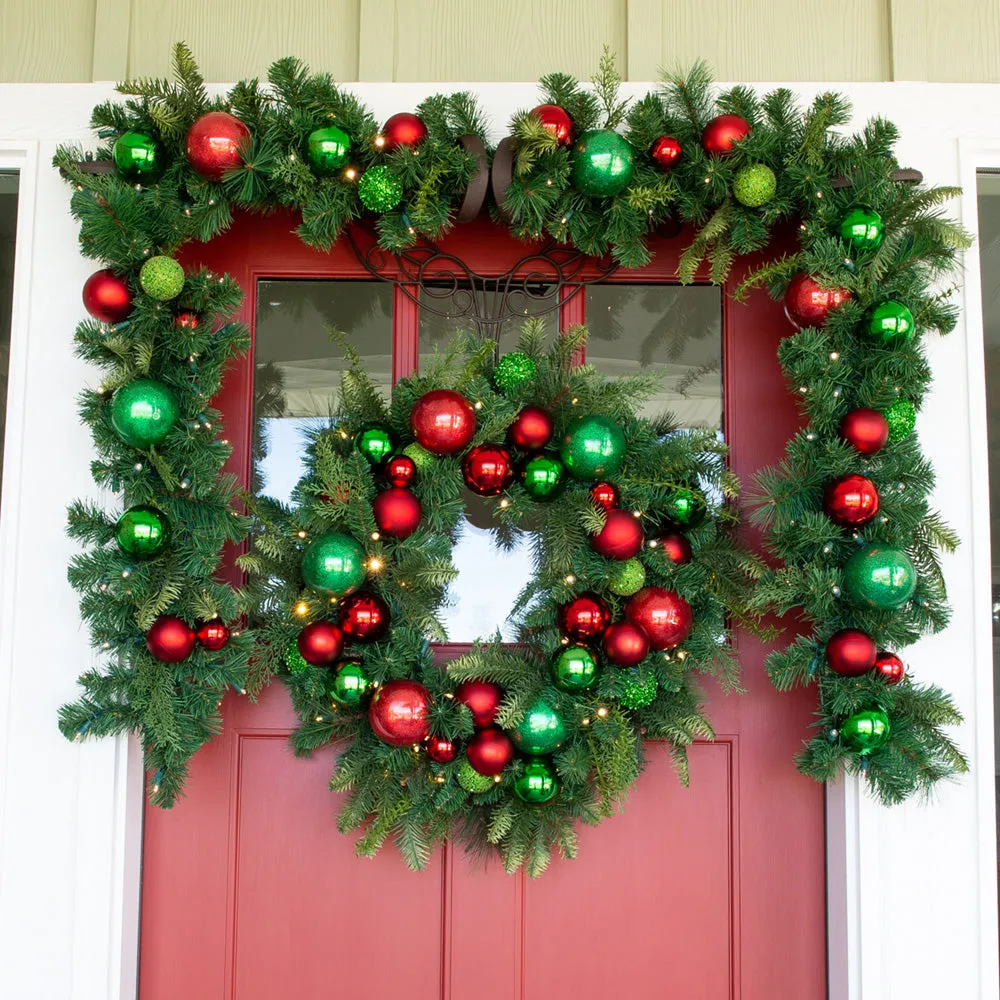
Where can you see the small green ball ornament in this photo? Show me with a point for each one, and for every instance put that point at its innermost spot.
(891, 324)
(542, 729)
(603, 163)
(294, 660)
(574, 668)
(142, 531)
(162, 278)
(422, 458)
(139, 157)
(866, 731)
(327, 150)
(143, 412)
(543, 477)
(537, 784)
(379, 189)
(862, 228)
(638, 689)
(593, 447)
(375, 443)
(879, 576)
(627, 577)
(334, 564)
(901, 417)
(513, 371)
(471, 780)
(755, 185)
(687, 506)
(349, 684)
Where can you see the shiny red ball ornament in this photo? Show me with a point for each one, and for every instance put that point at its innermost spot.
(397, 512)
(851, 500)
(557, 120)
(107, 297)
(364, 616)
(320, 643)
(584, 618)
(806, 304)
(187, 320)
(401, 470)
(403, 129)
(662, 614)
(398, 713)
(675, 548)
(721, 133)
(490, 751)
(889, 667)
(867, 430)
(443, 421)
(170, 639)
(665, 153)
(482, 699)
(214, 144)
(620, 538)
(604, 495)
(441, 750)
(850, 652)
(625, 644)
(212, 635)
(531, 430)
(488, 470)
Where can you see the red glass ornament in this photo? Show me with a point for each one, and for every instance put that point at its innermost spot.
(320, 643)
(403, 129)
(806, 304)
(364, 616)
(443, 421)
(620, 538)
(441, 750)
(867, 430)
(584, 618)
(604, 495)
(851, 500)
(850, 652)
(675, 548)
(170, 639)
(557, 120)
(187, 320)
(625, 644)
(398, 713)
(488, 470)
(662, 614)
(482, 698)
(213, 635)
(107, 297)
(214, 143)
(401, 470)
(490, 751)
(531, 430)
(397, 512)
(665, 153)
(720, 133)
(889, 667)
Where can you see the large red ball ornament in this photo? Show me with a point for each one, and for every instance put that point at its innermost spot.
(625, 644)
(806, 304)
(662, 614)
(584, 618)
(665, 153)
(557, 121)
(107, 297)
(867, 430)
(401, 470)
(403, 129)
(675, 548)
(488, 470)
(889, 667)
(443, 421)
(482, 699)
(531, 430)
(721, 133)
(440, 750)
(850, 652)
(398, 713)
(620, 538)
(320, 643)
(490, 751)
(604, 495)
(851, 500)
(212, 635)
(397, 512)
(170, 639)
(364, 616)
(214, 144)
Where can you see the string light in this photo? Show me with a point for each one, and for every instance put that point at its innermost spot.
(585, 722)
(505, 502)
(479, 404)
(301, 608)
(379, 141)
(302, 534)
(570, 579)
(602, 712)
(375, 536)
(375, 564)
(350, 174)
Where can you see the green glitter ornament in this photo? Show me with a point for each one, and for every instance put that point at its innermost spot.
(901, 417)
(139, 157)
(537, 784)
(866, 731)
(143, 411)
(513, 370)
(334, 564)
(891, 324)
(879, 576)
(162, 278)
(687, 506)
(627, 577)
(592, 447)
(862, 228)
(375, 443)
(142, 531)
(638, 689)
(574, 667)
(349, 683)
(602, 163)
(327, 150)
(542, 729)
(543, 477)
(755, 185)
(379, 189)
(294, 660)
(471, 780)
(422, 458)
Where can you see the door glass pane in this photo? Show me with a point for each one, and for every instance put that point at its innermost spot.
(8, 229)
(298, 365)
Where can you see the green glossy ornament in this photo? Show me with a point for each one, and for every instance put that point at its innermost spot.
(142, 531)
(879, 576)
(603, 163)
(638, 689)
(537, 784)
(139, 157)
(862, 228)
(471, 780)
(901, 417)
(627, 577)
(327, 150)
(349, 683)
(294, 660)
(866, 731)
(422, 458)
(593, 447)
(754, 185)
(687, 506)
(542, 729)
(334, 564)
(513, 370)
(379, 189)
(142, 412)
(891, 324)
(375, 443)
(162, 278)
(543, 477)
(574, 668)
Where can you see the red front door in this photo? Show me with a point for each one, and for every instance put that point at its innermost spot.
(710, 892)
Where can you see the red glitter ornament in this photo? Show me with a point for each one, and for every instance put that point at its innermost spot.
(625, 644)
(482, 698)
(662, 614)
(490, 751)
(889, 667)
(397, 512)
(401, 470)
(403, 129)
(584, 618)
(170, 639)
(214, 144)
(320, 643)
(364, 616)
(851, 500)
(212, 635)
(806, 304)
(107, 297)
(441, 750)
(850, 652)
(531, 430)
(398, 713)
(675, 548)
(721, 133)
(665, 153)
(604, 495)
(488, 470)
(557, 120)
(443, 421)
(867, 430)
(620, 538)
(187, 320)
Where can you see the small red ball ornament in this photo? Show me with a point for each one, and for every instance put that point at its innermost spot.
(557, 121)
(675, 548)
(212, 635)
(721, 133)
(214, 143)
(851, 500)
(663, 615)
(401, 470)
(665, 153)
(398, 713)
(397, 512)
(443, 421)
(364, 616)
(889, 667)
(187, 320)
(604, 495)
(403, 129)
(806, 304)
(441, 750)
(625, 644)
(482, 699)
(620, 538)
(850, 652)
(490, 751)
(170, 639)
(584, 618)
(867, 430)
(320, 643)
(488, 470)
(107, 297)
(531, 430)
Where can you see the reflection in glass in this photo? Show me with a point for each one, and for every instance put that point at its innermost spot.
(8, 227)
